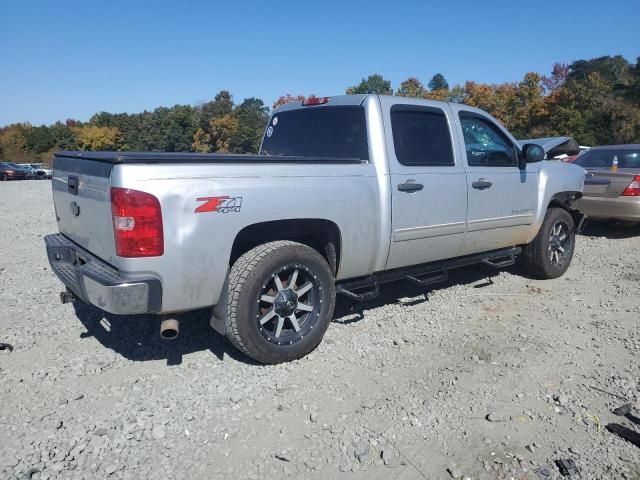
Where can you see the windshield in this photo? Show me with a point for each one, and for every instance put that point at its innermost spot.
(627, 158)
(331, 132)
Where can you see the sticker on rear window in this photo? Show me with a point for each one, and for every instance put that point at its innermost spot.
(269, 131)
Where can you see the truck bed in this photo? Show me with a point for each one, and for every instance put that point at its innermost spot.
(183, 157)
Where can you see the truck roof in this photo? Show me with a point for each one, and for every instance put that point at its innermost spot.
(341, 100)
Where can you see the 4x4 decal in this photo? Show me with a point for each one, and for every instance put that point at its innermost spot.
(219, 204)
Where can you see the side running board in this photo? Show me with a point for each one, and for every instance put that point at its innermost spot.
(497, 263)
(429, 278)
(424, 275)
(361, 297)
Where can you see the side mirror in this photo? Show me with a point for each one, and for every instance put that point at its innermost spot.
(533, 153)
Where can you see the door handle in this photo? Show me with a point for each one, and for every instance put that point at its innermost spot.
(410, 187)
(481, 184)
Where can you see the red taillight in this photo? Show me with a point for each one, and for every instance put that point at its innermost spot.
(315, 101)
(137, 223)
(633, 190)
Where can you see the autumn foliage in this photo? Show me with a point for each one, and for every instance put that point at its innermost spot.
(596, 101)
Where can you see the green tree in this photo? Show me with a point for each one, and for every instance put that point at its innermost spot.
(63, 137)
(38, 139)
(221, 105)
(438, 82)
(372, 84)
(180, 126)
(411, 87)
(582, 111)
(251, 116)
(614, 70)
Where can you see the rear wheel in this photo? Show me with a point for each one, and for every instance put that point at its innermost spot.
(280, 301)
(3, 177)
(549, 254)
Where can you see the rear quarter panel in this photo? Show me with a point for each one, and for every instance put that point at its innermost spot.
(198, 245)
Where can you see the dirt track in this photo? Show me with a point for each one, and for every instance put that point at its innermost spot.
(400, 388)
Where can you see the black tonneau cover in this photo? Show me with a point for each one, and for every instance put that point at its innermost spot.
(180, 157)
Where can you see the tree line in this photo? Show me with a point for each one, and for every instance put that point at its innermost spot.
(596, 101)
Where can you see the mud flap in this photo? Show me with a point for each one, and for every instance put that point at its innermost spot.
(219, 311)
(578, 219)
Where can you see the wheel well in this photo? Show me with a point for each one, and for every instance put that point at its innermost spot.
(566, 201)
(321, 235)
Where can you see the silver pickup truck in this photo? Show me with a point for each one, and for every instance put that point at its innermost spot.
(347, 193)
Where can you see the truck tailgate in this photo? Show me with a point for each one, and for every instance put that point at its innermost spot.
(81, 195)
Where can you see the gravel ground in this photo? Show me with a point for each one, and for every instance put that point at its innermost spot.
(473, 379)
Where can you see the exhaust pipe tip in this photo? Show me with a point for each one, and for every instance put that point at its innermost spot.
(170, 329)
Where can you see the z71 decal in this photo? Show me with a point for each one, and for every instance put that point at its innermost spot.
(219, 204)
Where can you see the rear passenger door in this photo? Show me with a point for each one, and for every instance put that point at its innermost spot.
(428, 183)
(503, 197)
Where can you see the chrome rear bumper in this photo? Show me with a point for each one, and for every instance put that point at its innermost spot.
(98, 283)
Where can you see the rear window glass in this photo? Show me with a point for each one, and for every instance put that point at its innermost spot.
(332, 132)
(604, 158)
(421, 136)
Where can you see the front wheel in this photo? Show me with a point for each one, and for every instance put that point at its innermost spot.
(550, 253)
(280, 301)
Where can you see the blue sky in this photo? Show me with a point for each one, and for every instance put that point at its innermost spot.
(69, 59)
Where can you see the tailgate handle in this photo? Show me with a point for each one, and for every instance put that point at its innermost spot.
(72, 184)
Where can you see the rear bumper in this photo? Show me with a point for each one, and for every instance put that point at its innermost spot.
(618, 208)
(98, 283)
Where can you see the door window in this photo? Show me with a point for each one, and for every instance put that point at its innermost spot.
(421, 136)
(486, 145)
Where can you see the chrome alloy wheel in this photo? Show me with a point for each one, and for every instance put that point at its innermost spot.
(559, 243)
(289, 305)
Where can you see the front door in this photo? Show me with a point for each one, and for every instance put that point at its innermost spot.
(428, 182)
(503, 198)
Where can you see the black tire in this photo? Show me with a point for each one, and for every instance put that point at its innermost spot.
(543, 257)
(252, 279)
(3, 177)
